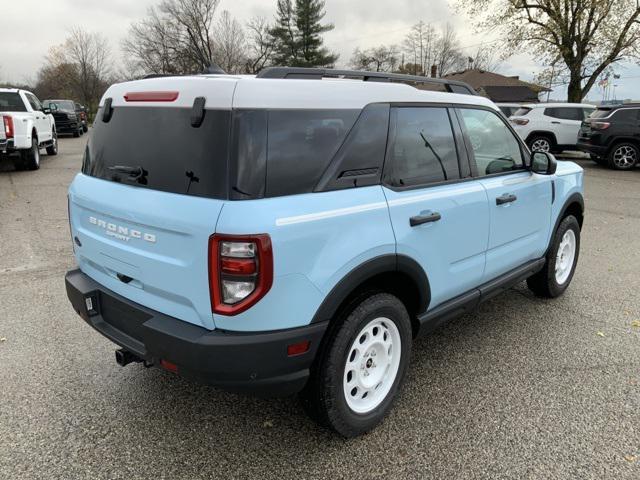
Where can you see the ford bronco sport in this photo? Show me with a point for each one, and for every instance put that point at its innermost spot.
(293, 231)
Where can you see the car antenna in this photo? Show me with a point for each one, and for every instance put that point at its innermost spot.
(214, 69)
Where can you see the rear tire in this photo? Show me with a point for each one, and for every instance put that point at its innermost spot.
(53, 148)
(624, 156)
(358, 373)
(31, 157)
(540, 143)
(562, 258)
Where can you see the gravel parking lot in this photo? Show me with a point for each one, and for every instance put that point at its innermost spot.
(523, 388)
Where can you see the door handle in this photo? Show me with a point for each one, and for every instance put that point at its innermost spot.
(506, 198)
(422, 219)
(556, 123)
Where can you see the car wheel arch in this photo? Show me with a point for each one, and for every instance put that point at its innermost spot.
(573, 205)
(542, 133)
(399, 275)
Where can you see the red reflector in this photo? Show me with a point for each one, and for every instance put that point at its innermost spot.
(238, 266)
(8, 126)
(171, 367)
(151, 96)
(298, 348)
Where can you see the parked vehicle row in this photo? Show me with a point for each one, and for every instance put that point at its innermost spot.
(27, 127)
(293, 233)
(70, 117)
(612, 136)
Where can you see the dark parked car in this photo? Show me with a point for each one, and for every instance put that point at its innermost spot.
(612, 136)
(68, 116)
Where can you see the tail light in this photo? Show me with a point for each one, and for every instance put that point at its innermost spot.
(240, 271)
(8, 126)
(600, 125)
(519, 121)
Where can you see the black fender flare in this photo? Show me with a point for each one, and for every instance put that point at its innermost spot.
(389, 263)
(575, 197)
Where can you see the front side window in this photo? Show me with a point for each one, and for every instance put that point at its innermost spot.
(522, 111)
(422, 148)
(495, 148)
(33, 101)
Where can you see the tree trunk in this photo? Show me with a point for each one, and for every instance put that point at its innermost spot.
(575, 92)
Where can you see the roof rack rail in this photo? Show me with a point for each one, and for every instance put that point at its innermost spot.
(452, 86)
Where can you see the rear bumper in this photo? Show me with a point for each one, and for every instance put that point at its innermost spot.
(251, 362)
(597, 150)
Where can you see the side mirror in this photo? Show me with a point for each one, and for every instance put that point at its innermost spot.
(53, 107)
(46, 110)
(543, 163)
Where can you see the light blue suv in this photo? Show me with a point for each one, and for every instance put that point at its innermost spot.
(294, 231)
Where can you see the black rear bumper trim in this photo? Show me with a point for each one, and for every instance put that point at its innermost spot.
(254, 362)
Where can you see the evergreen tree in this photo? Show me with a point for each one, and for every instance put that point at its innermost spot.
(297, 35)
(311, 52)
(284, 35)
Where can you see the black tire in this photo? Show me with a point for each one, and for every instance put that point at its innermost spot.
(85, 129)
(537, 140)
(323, 398)
(53, 148)
(31, 157)
(544, 283)
(623, 156)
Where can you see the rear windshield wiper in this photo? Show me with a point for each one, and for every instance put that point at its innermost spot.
(136, 173)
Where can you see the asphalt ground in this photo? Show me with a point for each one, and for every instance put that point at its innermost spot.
(523, 388)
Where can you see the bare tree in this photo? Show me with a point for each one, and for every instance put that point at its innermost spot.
(586, 35)
(448, 55)
(377, 59)
(176, 37)
(89, 52)
(261, 45)
(230, 44)
(486, 57)
(420, 45)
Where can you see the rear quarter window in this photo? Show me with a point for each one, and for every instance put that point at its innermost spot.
(300, 146)
(627, 115)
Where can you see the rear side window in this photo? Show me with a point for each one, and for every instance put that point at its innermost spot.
(626, 115)
(157, 148)
(11, 102)
(422, 148)
(522, 112)
(300, 145)
(564, 113)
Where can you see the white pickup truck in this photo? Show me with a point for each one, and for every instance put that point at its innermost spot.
(26, 127)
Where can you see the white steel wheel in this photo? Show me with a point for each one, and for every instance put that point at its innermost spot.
(372, 365)
(625, 157)
(565, 256)
(541, 145)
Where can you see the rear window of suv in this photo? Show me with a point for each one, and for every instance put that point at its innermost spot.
(11, 102)
(157, 148)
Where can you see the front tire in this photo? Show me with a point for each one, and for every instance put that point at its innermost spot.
(31, 157)
(562, 258)
(360, 369)
(53, 148)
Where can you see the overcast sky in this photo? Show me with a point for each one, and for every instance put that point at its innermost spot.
(30, 27)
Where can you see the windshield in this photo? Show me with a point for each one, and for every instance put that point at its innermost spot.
(66, 105)
(521, 112)
(11, 102)
(159, 149)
